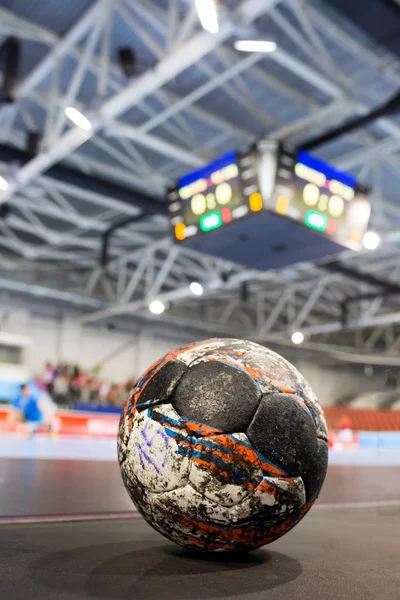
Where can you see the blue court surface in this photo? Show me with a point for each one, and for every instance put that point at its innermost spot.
(105, 449)
(62, 448)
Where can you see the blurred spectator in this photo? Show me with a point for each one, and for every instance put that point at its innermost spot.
(68, 384)
(61, 386)
(103, 392)
(346, 423)
(48, 377)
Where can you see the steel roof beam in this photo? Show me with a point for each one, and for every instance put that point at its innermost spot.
(358, 157)
(11, 23)
(49, 209)
(76, 33)
(66, 45)
(139, 136)
(63, 174)
(50, 294)
(171, 65)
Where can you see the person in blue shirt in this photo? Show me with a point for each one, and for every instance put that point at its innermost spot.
(33, 409)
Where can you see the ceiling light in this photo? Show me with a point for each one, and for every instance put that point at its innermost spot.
(255, 46)
(3, 184)
(78, 118)
(371, 240)
(208, 15)
(196, 288)
(156, 307)
(297, 338)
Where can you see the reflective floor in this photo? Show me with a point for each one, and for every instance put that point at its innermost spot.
(333, 554)
(347, 547)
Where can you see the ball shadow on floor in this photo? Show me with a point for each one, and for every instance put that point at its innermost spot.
(125, 570)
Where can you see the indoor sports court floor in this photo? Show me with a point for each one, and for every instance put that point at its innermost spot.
(68, 531)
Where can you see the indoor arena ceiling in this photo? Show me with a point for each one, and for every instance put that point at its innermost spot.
(191, 97)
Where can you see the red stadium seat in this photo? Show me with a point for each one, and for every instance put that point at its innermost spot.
(362, 419)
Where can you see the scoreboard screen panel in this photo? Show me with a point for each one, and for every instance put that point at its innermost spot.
(220, 193)
(310, 191)
(267, 177)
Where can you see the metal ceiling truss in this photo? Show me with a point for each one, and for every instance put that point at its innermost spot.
(143, 263)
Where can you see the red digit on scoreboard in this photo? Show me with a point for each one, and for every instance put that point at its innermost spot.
(226, 215)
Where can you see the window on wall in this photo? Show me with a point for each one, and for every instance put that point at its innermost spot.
(10, 354)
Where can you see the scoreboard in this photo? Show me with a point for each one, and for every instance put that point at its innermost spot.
(250, 202)
(310, 191)
(220, 193)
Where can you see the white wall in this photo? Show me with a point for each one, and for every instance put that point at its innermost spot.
(127, 356)
(123, 356)
(44, 343)
(331, 384)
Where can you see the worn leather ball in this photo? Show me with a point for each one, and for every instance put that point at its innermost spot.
(223, 446)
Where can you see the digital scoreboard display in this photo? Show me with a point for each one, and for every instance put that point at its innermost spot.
(223, 192)
(264, 179)
(310, 191)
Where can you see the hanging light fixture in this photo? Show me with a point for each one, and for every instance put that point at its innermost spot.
(208, 15)
(78, 118)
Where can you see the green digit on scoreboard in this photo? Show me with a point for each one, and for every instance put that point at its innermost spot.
(316, 221)
(211, 221)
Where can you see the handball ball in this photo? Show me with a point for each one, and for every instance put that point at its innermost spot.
(223, 446)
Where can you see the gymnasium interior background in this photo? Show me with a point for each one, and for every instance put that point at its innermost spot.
(171, 171)
(86, 243)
